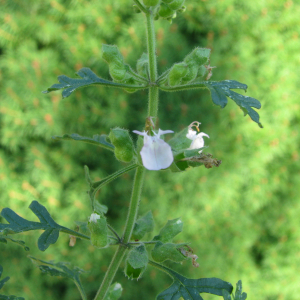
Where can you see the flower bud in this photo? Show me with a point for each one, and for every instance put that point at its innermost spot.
(191, 74)
(117, 71)
(136, 9)
(198, 56)
(123, 143)
(98, 228)
(182, 9)
(151, 2)
(142, 65)
(111, 54)
(165, 11)
(177, 72)
(176, 4)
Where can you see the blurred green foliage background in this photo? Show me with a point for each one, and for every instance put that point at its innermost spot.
(242, 218)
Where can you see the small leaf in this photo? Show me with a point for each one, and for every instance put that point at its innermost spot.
(100, 208)
(60, 269)
(168, 251)
(238, 292)
(138, 257)
(114, 292)
(142, 226)
(48, 237)
(4, 239)
(169, 231)
(98, 140)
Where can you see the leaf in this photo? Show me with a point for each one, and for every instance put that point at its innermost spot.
(2, 282)
(142, 226)
(169, 231)
(48, 237)
(180, 141)
(100, 208)
(88, 77)
(98, 140)
(138, 257)
(60, 269)
(114, 292)
(18, 224)
(168, 251)
(238, 293)
(220, 90)
(190, 289)
(4, 239)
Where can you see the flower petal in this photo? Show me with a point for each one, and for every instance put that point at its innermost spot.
(191, 134)
(156, 155)
(198, 142)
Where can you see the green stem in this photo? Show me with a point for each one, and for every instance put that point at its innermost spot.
(153, 89)
(190, 86)
(134, 203)
(110, 273)
(132, 213)
(140, 171)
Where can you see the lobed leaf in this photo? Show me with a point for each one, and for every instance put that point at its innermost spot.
(88, 77)
(238, 293)
(60, 269)
(4, 239)
(190, 289)
(98, 140)
(18, 224)
(220, 90)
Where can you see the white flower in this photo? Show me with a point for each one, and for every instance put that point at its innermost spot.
(197, 139)
(156, 154)
(94, 217)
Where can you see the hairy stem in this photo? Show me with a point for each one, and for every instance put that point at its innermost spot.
(153, 90)
(140, 171)
(110, 273)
